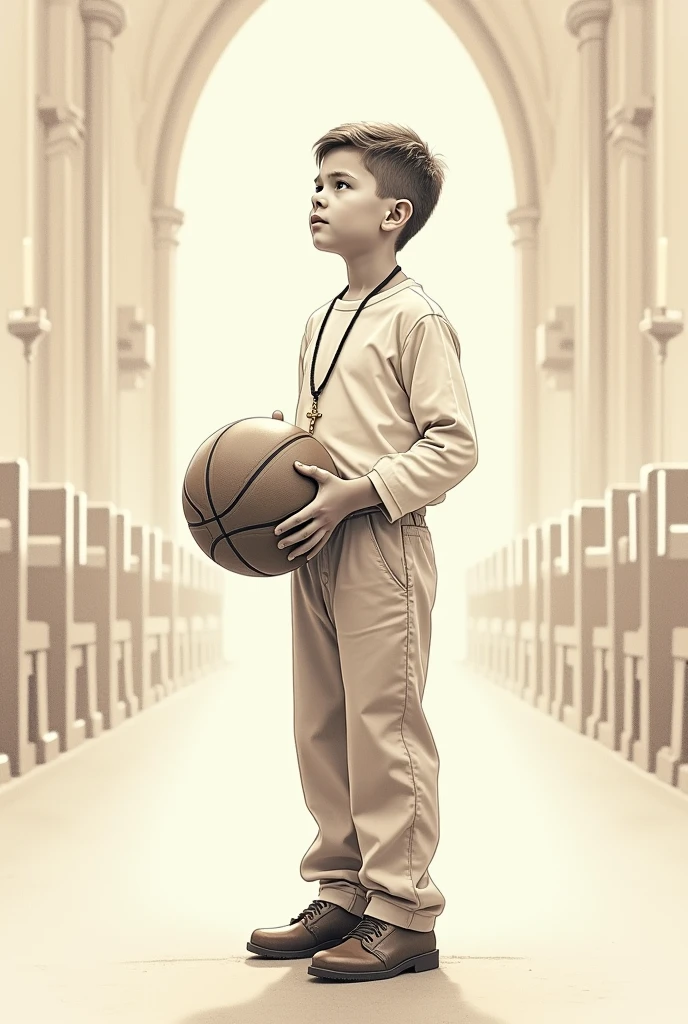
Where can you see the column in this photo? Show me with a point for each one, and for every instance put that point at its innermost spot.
(166, 502)
(64, 123)
(523, 221)
(103, 21)
(587, 20)
(631, 358)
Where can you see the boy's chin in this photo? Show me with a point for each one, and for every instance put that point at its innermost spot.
(320, 243)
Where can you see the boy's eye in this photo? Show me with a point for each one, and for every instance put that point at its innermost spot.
(340, 182)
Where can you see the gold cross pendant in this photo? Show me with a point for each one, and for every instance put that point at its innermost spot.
(313, 415)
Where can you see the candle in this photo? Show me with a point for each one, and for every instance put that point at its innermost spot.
(28, 272)
(662, 250)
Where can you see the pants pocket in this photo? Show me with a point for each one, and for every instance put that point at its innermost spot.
(389, 547)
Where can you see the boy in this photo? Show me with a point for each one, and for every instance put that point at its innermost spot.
(387, 399)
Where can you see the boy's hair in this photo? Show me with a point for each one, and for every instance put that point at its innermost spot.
(400, 162)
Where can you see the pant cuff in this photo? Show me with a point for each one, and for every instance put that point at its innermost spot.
(347, 899)
(414, 920)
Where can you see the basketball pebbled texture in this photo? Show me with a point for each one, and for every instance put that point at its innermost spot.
(241, 483)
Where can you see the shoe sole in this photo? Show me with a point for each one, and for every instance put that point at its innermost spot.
(291, 954)
(423, 962)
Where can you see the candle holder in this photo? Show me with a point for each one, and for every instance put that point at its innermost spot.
(29, 324)
(660, 325)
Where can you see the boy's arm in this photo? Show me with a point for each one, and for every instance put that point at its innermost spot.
(447, 450)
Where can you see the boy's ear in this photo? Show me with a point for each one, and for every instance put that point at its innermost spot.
(389, 214)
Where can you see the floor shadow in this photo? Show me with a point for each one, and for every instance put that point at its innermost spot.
(295, 996)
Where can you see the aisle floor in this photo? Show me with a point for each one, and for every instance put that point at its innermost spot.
(133, 870)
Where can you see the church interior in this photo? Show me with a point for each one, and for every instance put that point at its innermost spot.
(142, 836)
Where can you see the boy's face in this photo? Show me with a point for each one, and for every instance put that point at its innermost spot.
(353, 213)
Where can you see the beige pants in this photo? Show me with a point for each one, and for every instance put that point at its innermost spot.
(369, 766)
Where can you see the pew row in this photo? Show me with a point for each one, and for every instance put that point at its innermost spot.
(663, 598)
(585, 616)
(97, 617)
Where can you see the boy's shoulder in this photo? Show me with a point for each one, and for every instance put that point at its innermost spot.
(416, 303)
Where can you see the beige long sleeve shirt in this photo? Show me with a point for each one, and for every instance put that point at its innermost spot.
(395, 408)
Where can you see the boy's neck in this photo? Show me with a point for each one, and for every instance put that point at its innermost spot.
(366, 274)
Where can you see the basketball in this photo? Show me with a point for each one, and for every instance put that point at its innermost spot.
(241, 483)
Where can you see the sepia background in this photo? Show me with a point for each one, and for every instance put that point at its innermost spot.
(157, 266)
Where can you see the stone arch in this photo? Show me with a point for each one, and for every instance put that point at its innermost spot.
(209, 29)
(182, 54)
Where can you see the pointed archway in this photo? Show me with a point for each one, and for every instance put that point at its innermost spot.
(196, 44)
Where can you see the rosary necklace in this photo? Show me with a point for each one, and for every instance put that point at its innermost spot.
(314, 414)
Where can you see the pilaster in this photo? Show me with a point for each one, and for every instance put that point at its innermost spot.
(166, 504)
(524, 221)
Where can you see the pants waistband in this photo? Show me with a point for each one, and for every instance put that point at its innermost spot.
(416, 518)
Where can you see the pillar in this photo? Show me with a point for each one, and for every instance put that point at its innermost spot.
(587, 20)
(630, 419)
(166, 501)
(64, 130)
(103, 21)
(523, 221)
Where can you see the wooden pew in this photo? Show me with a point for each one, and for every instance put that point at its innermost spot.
(586, 602)
(497, 617)
(202, 602)
(507, 631)
(619, 556)
(672, 758)
(647, 650)
(25, 736)
(529, 671)
(181, 637)
(208, 602)
(517, 594)
(557, 603)
(677, 752)
(133, 599)
(97, 591)
(189, 589)
(169, 600)
(56, 546)
(159, 620)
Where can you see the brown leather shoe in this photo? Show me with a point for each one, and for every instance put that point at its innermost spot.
(376, 949)
(320, 926)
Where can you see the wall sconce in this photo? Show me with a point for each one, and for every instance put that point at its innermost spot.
(135, 347)
(554, 343)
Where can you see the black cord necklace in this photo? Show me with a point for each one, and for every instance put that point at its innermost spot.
(314, 414)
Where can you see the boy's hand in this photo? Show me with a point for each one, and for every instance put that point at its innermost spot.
(277, 415)
(330, 505)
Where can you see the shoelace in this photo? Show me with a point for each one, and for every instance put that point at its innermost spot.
(367, 928)
(313, 908)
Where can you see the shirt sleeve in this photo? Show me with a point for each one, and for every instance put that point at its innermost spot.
(303, 348)
(302, 352)
(447, 450)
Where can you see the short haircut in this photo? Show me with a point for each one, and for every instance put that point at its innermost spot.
(400, 162)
